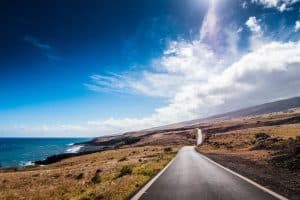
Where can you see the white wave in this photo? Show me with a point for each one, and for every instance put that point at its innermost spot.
(27, 163)
(74, 149)
(70, 144)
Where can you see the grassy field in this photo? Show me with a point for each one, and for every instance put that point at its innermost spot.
(113, 174)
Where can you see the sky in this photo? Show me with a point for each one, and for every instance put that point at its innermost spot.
(93, 68)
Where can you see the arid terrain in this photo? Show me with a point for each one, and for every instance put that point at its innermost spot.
(268, 155)
(112, 174)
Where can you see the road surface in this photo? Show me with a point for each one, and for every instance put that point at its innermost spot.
(191, 176)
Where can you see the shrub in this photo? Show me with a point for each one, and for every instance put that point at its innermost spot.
(168, 149)
(146, 171)
(289, 155)
(79, 176)
(261, 136)
(122, 159)
(96, 178)
(126, 170)
(56, 175)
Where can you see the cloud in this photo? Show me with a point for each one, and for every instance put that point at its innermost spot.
(257, 38)
(244, 5)
(202, 84)
(253, 25)
(45, 48)
(209, 25)
(35, 42)
(297, 25)
(280, 5)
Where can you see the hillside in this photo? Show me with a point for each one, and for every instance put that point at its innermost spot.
(136, 136)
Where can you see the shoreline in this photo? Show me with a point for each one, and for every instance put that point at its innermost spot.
(83, 149)
(73, 150)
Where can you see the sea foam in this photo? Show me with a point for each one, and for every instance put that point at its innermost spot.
(74, 149)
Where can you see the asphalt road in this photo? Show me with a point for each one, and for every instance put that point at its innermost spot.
(192, 176)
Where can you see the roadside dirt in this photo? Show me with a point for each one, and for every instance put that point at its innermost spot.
(267, 155)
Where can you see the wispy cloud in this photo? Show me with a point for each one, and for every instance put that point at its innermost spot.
(35, 42)
(45, 48)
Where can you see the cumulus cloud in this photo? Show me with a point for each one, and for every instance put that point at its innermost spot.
(253, 25)
(257, 38)
(281, 5)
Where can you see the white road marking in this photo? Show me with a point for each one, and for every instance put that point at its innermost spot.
(274, 194)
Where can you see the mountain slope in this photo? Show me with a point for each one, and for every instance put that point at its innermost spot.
(134, 136)
(275, 106)
(265, 108)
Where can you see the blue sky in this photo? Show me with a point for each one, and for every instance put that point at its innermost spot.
(104, 67)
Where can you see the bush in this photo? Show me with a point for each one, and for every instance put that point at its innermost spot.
(96, 178)
(289, 156)
(146, 171)
(126, 170)
(79, 176)
(122, 159)
(168, 149)
(261, 136)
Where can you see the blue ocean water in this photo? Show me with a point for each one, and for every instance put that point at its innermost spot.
(22, 151)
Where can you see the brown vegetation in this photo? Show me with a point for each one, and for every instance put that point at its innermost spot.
(94, 176)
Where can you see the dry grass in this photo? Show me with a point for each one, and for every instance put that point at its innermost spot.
(240, 142)
(73, 178)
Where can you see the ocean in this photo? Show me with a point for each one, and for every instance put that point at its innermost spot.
(23, 151)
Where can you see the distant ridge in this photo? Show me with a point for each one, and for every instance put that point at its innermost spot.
(265, 108)
(134, 136)
(275, 106)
